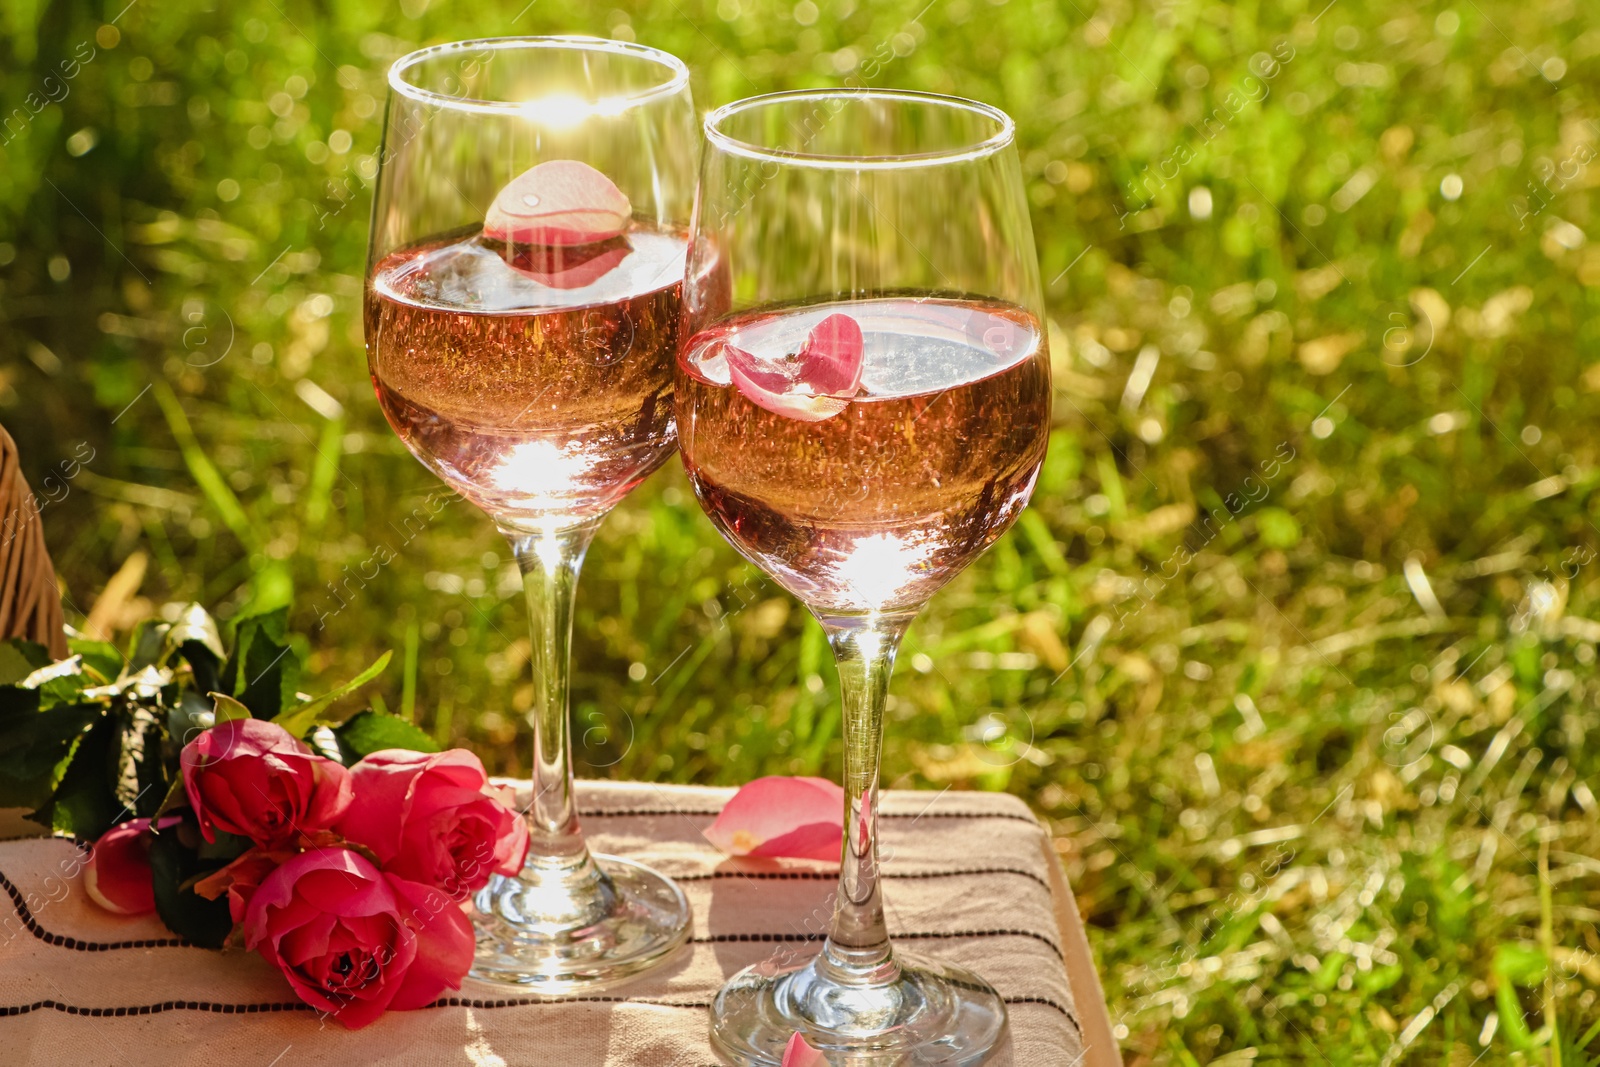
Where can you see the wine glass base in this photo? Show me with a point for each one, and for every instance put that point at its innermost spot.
(565, 930)
(932, 1014)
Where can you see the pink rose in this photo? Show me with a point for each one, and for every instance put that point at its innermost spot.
(251, 777)
(354, 941)
(117, 876)
(428, 818)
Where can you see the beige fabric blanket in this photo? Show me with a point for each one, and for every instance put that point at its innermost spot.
(971, 878)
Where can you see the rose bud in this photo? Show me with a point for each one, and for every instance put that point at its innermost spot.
(428, 818)
(354, 941)
(251, 777)
(117, 876)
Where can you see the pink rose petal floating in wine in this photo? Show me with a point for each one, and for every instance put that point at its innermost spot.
(767, 386)
(571, 267)
(560, 202)
(830, 360)
(117, 876)
(815, 384)
(802, 818)
(799, 1054)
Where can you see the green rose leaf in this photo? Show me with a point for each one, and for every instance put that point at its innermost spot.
(177, 797)
(20, 658)
(60, 682)
(264, 669)
(85, 803)
(194, 637)
(226, 709)
(141, 767)
(370, 731)
(148, 645)
(195, 626)
(37, 744)
(299, 719)
(190, 716)
(173, 867)
(100, 657)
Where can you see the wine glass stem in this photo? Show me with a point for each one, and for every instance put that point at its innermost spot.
(550, 561)
(857, 950)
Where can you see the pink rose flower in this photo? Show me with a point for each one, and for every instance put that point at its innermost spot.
(251, 777)
(355, 941)
(117, 876)
(428, 818)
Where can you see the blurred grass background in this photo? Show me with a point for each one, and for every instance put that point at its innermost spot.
(1318, 765)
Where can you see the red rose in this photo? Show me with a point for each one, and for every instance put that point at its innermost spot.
(428, 818)
(355, 941)
(251, 777)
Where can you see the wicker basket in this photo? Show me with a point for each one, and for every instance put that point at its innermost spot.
(30, 601)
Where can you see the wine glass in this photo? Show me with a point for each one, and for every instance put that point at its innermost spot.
(863, 405)
(522, 310)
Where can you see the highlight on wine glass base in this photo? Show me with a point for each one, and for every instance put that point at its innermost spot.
(863, 399)
(522, 313)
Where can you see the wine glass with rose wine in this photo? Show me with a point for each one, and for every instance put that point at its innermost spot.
(863, 404)
(523, 298)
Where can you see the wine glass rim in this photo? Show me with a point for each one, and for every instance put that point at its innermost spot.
(1004, 135)
(677, 70)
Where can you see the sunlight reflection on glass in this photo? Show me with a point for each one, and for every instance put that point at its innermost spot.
(557, 110)
(565, 110)
(539, 467)
(878, 567)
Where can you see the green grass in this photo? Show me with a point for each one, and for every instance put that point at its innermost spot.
(1325, 789)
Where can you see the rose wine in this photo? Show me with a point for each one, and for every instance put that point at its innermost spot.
(873, 501)
(537, 382)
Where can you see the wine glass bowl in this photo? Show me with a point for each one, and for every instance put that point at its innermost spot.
(863, 398)
(550, 398)
(876, 508)
(522, 312)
